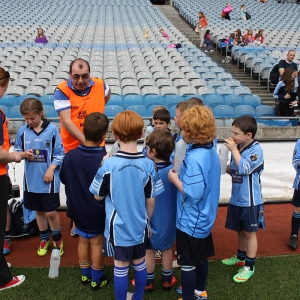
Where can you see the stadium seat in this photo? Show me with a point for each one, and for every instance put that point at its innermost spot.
(14, 112)
(132, 100)
(50, 111)
(244, 110)
(112, 110)
(251, 100)
(171, 100)
(156, 100)
(223, 111)
(264, 111)
(140, 109)
(214, 100)
(233, 100)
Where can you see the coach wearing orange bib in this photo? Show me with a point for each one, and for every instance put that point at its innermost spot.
(77, 97)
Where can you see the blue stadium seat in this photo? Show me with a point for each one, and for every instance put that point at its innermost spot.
(251, 100)
(112, 110)
(171, 100)
(140, 109)
(115, 100)
(264, 110)
(223, 111)
(47, 100)
(214, 100)
(14, 112)
(9, 101)
(50, 111)
(132, 100)
(4, 109)
(172, 111)
(244, 110)
(150, 100)
(233, 100)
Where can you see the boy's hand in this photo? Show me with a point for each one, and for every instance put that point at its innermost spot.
(230, 144)
(173, 176)
(29, 154)
(48, 177)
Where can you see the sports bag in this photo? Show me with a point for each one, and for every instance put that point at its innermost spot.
(274, 74)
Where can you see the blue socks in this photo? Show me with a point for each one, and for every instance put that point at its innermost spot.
(201, 276)
(241, 255)
(86, 269)
(295, 223)
(166, 275)
(45, 235)
(249, 262)
(121, 282)
(140, 276)
(56, 235)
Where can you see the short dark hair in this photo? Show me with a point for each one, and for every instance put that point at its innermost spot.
(246, 124)
(95, 126)
(162, 115)
(80, 61)
(163, 143)
(194, 101)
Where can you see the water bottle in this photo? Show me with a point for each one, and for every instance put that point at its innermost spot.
(54, 263)
(114, 149)
(180, 150)
(223, 155)
(149, 130)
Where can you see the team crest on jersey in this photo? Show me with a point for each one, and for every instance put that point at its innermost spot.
(47, 144)
(254, 157)
(82, 114)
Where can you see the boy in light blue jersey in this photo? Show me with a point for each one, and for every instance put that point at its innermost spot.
(41, 184)
(160, 145)
(129, 183)
(293, 242)
(245, 211)
(197, 200)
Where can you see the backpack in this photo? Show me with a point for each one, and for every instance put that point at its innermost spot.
(18, 227)
(274, 74)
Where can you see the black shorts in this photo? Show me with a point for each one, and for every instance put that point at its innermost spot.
(129, 253)
(296, 198)
(245, 218)
(46, 202)
(193, 251)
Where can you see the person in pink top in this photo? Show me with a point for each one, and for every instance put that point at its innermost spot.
(227, 10)
(41, 38)
(164, 34)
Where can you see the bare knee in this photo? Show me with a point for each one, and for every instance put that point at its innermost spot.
(51, 214)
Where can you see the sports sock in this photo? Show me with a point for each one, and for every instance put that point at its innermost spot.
(188, 279)
(241, 255)
(295, 223)
(56, 235)
(7, 234)
(97, 274)
(121, 282)
(86, 269)
(45, 235)
(166, 275)
(201, 276)
(150, 278)
(249, 262)
(140, 276)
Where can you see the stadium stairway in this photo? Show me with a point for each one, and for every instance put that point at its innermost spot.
(244, 77)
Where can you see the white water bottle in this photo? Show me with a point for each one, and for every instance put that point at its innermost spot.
(114, 149)
(54, 263)
(223, 155)
(180, 150)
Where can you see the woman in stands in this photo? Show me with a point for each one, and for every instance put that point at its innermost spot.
(260, 34)
(243, 12)
(202, 24)
(248, 37)
(227, 10)
(41, 38)
(238, 39)
(284, 93)
(6, 278)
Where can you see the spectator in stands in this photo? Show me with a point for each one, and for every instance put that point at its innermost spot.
(260, 34)
(208, 41)
(238, 39)
(41, 38)
(287, 63)
(227, 10)
(248, 37)
(74, 99)
(243, 12)
(202, 23)
(6, 278)
(284, 93)
(164, 34)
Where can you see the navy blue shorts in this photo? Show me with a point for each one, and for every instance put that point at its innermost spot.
(245, 218)
(296, 198)
(129, 253)
(193, 251)
(46, 202)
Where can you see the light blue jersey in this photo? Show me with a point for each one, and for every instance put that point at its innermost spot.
(126, 180)
(246, 185)
(200, 174)
(47, 148)
(295, 162)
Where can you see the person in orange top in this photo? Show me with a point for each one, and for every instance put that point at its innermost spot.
(74, 100)
(6, 278)
(202, 23)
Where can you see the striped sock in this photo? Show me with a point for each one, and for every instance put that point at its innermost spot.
(97, 274)
(86, 268)
(188, 279)
(7, 234)
(121, 282)
(56, 235)
(150, 278)
(249, 262)
(241, 255)
(45, 235)
(140, 276)
(295, 223)
(166, 275)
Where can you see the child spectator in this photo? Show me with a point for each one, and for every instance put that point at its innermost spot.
(160, 145)
(197, 200)
(88, 214)
(208, 41)
(257, 42)
(245, 211)
(146, 34)
(128, 182)
(164, 34)
(41, 38)
(260, 35)
(293, 242)
(41, 139)
(238, 39)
